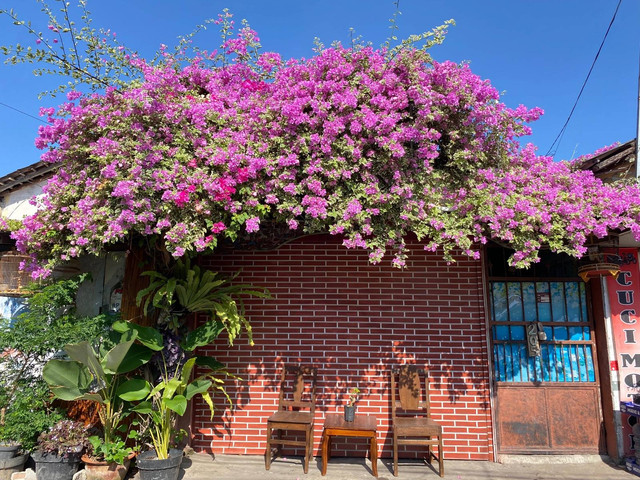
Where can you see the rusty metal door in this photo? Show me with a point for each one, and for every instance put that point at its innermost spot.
(544, 367)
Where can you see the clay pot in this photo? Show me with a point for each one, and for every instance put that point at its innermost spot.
(100, 470)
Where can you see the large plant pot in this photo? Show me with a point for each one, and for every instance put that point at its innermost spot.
(151, 468)
(98, 470)
(53, 467)
(8, 451)
(11, 465)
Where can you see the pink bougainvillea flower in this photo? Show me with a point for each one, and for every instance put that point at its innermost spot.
(367, 144)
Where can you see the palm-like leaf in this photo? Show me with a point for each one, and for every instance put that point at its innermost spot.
(195, 290)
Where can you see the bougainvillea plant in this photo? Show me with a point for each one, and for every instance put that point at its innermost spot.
(369, 144)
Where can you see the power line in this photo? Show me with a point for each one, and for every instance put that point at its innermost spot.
(584, 84)
(24, 113)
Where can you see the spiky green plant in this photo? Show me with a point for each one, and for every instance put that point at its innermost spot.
(191, 289)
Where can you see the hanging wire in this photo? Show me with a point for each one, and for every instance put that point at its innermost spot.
(558, 138)
(24, 113)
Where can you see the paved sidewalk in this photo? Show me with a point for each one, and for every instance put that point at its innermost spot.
(251, 467)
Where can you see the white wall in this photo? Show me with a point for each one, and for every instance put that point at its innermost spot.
(16, 203)
(106, 270)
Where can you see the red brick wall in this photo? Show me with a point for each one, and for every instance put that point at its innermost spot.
(354, 321)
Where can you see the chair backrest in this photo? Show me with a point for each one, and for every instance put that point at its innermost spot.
(410, 390)
(298, 388)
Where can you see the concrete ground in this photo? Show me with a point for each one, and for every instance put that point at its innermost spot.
(251, 467)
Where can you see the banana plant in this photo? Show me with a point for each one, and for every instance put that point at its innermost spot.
(193, 290)
(98, 374)
(163, 398)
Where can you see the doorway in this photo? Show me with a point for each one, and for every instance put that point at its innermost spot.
(547, 395)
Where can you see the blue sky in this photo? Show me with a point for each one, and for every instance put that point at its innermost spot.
(536, 52)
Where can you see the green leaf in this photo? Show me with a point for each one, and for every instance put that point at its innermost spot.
(144, 408)
(137, 356)
(134, 390)
(68, 380)
(170, 288)
(65, 393)
(203, 335)
(148, 336)
(207, 398)
(92, 397)
(197, 386)
(178, 404)
(158, 388)
(186, 370)
(83, 353)
(147, 291)
(114, 357)
(170, 387)
(210, 362)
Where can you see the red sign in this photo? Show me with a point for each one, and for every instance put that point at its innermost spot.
(624, 299)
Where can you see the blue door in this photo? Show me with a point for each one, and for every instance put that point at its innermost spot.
(544, 370)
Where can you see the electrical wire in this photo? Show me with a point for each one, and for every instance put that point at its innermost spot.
(24, 113)
(584, 84)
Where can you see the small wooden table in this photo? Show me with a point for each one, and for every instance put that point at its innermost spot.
(362, 426)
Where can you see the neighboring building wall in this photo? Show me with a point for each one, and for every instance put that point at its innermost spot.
(106, 271)
(16, 204)
(354, 321)
(93, 295)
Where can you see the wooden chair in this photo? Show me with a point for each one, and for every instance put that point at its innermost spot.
(297, 394)
(411, 414)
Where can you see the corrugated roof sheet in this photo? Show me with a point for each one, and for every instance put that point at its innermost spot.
(26, 175)
(614, 164)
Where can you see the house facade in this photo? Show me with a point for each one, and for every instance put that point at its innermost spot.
(520, 362)
(466, 322)
(354, 321)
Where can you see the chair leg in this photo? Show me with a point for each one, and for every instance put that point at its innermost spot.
(395, 454)
(306, 451)
(311, 443)
(440, 456)
(429, 453)
(267, 454)
(279, 444)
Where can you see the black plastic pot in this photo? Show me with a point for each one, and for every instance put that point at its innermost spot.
(53, 467)
(8, 451)
(11, 465)
(152, 468)
(349, 413)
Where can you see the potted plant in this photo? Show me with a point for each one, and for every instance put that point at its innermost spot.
(168, 391)
(10, 460)
(107, 461)
(8, 445)
(29, 414)
(98, 375)
(350, 407)
(60, 449)
(184, 291)
(48, 320)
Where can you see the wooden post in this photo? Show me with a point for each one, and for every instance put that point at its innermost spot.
(138, 261)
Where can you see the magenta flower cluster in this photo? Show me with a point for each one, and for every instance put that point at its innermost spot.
(354, 142)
